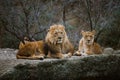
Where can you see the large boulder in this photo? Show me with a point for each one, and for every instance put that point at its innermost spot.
(94, 67)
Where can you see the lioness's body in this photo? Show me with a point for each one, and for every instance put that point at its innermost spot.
(26, 40)
(87, 44)
(58, 44)
(31, 50)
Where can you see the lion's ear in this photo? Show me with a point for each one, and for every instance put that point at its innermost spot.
(93, 31)
(48, 30)
(61, 26)
(82, 32)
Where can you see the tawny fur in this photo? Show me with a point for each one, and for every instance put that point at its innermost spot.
(58, 43)
(25, 40)
(87, 44)
(31, 50)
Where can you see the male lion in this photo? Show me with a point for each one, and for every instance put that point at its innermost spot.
(58, 43)
(31, 50)
(87, 46)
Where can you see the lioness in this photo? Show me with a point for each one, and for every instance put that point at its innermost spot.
(31, 50)
(87, 46)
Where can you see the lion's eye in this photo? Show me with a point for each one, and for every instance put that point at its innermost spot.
(61, 32)
(91, 36)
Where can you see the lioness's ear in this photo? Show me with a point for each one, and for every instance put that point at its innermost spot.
(26, 38)
(82, 32)
(93, 31)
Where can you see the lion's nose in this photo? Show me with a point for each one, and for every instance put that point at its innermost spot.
(59, 38)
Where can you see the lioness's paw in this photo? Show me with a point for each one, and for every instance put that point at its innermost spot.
(67, 56)
(84, 54)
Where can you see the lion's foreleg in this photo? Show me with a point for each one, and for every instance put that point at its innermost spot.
(55, 55)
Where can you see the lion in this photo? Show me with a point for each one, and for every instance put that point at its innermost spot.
(58, 43)
(31, 50)
(87, 46)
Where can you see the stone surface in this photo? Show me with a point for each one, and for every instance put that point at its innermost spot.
(108, 50)
(94, 67)
(117, 52)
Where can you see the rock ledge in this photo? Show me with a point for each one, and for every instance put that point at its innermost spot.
(94, 67)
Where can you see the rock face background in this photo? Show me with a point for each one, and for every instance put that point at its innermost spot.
(95, 67)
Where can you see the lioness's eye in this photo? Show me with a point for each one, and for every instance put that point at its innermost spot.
(91, 36)
(86, 36)
(61, 32)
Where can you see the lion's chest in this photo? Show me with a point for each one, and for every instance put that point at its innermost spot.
(57, 49)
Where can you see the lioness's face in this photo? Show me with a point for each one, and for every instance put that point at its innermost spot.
(88, 37)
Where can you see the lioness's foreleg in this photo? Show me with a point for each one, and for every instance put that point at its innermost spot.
(80, 50)
(32, 57)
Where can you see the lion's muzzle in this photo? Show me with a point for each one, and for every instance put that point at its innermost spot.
(59, 40)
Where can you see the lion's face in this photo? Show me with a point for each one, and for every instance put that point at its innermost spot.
(88, 37)
(56, 34)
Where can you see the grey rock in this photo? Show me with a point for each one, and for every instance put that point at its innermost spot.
(93, 67)
(117, 52)
(108, 51)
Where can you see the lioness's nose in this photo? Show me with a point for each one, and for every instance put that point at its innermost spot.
(88, 40)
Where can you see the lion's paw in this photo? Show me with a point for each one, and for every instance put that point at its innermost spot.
(41, 57)
(77, 53)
